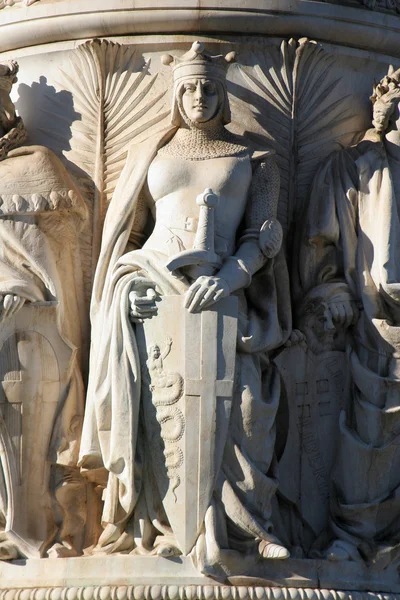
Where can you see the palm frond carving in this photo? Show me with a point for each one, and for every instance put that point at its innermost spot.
(300, 112)
(115, 96)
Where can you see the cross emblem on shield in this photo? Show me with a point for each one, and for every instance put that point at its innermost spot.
(187, 402)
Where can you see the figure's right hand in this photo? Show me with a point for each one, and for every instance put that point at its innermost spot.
(344, 312)
(9, 305)
(297, 338)
(142, 298)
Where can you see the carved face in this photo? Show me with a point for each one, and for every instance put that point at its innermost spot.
(156, 352)
(200, 99)
(319, 329)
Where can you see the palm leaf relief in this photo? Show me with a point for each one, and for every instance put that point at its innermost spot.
(299, 111)
(118, 100)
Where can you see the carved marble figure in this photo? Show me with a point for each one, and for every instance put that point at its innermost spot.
(313, 368)
(353, 231)
(205, 403)
(41, 314)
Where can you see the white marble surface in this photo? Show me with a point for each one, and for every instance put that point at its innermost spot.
(56, 20)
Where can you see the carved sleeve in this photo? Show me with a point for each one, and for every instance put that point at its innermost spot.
(328, 252)
(262, 236)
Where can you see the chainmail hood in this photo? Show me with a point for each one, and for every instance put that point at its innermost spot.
(203, 141)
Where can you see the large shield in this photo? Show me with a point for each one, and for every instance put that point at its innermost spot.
(34, 367)
(188, 376)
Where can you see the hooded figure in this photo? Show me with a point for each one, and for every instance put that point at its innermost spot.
(162, 178)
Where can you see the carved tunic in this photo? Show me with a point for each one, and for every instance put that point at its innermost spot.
(248, 453)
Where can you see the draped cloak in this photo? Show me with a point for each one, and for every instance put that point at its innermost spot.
(112, 430)
(353, 236)
(41, 214)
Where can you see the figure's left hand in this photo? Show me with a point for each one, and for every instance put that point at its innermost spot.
(204, 292)
(9, 305)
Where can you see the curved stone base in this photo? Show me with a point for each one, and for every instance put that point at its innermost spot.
(127, 577)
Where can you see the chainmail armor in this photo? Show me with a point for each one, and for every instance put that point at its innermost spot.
(203, 141)
(264, 194)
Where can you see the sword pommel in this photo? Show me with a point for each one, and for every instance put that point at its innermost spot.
(207, 198)
(202, 258)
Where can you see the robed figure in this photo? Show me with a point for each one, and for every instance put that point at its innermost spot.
(215, 237)
(353, 239)
(42, 323)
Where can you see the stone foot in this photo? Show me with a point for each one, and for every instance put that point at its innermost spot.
(8, 550)
(340, 550)
(62, 551)
(273, 549)
(166, 550)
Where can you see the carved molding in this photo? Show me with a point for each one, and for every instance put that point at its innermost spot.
(187, 592)
(393, 5)
(326, 21)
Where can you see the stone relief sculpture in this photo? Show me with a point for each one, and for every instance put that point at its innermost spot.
(299, 112)
(352, 231)
(103, 77)
(212, 429)
(314, 372)
(185, 281)
(5, 3)
(42, 495)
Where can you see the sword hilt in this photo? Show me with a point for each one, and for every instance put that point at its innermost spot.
(202, 259)
(205, 234)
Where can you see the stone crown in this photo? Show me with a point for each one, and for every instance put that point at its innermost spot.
(197, 63)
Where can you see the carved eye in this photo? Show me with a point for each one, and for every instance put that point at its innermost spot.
(209, 88)
(189, 87)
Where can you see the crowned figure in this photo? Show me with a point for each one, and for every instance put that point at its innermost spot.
(353, 243)
(213, 203)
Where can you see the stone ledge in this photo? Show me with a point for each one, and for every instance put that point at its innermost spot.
(149, 577)
(51, 21)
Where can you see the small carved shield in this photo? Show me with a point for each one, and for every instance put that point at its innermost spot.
(188, 374)
(316, 393)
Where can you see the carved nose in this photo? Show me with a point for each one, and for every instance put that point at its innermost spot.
(199, 95)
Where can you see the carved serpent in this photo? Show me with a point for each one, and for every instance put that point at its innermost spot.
(167, 389)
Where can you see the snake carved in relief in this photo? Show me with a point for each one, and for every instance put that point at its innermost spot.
(167, 388)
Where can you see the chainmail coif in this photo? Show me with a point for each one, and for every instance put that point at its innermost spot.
(203, 141)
